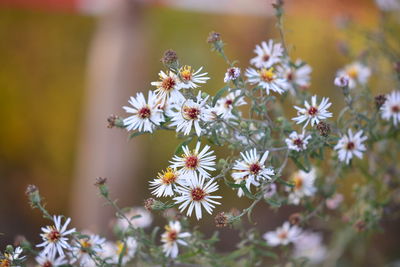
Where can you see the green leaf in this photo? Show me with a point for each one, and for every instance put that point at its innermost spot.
(219, 94)
(281, 181)
(273, 202)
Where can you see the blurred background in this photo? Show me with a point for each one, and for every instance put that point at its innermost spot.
(67, 65)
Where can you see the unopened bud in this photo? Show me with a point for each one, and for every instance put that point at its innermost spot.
(115, 121)
(101, 184)
(148, 203)
(323, 128)
(213, 37)
(221, 220)
(170, 59)
(30, 189)
(379, 101)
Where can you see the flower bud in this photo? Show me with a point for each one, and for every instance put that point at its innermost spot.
(323, 128)
(115, 121)
(101, 184)
(170, 59)
(213, 37)
(379, 101)
(221, 220)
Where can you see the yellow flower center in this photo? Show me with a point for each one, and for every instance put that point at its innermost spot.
(298, 182)
(352, 72)
(186, 73)
(5, 263)
(267, 75)
(168, 177)
(121, 247)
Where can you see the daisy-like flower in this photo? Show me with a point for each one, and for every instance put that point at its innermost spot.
(252, 166)
(195, 160)
(145, 115)
(267, 54)
(46, 260)
(55, 237)
(166, 182)
(8, 258)
(249, 182)
(190, 114)
(196, 195)
(309, 245)
(138, 218)
(297, 142)
(225, 104)
(84, 247)
(283, 235)
(172, 237)
(391, 108)
(313, 113)
(303, 186)
(356, 72)
(191, 78)
(298, 76)
(268, 79)
(126, 249)
(231, 74)
(168, 87)
(351, 145)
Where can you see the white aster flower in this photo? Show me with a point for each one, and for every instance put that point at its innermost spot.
(297, 142)
(231, 74)
(313, 113)
(351, 145)
(342, 80)
(388, 5)
(309, 245)
(190, 114)
(267, 54)
(252, 165)
(46, 260)
(391, 108)
(303, 186)
(85, 247)
(145, 115)
(168, 87)
(55, 237)
(8, 258)
(125, 249)
(138, 218)
(196, 195)
(191, 78)
(268, 79)
(172, 237)
(195, 160)
(296, 77)
(225, 104)
(283, 235)
(165, 183)
(249, 182)
(356, 72)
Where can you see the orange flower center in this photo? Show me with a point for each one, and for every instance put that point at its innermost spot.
(168, 84)
(198, 194)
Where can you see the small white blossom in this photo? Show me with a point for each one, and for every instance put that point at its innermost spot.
(313, 113)
(351, 145)
(145, 115)
(303, 186)
(138, 218)
(168, 87)
(225, 104)
(391, 108)
(126, 249)
(196, 195)
(190, 114)
(342, 81)
(191, 78)
(165, 183)
(195, 161)
(55, 237)
(356, 72)
(252, 168)
(84, 247)
(309, 245)
(388, 5)
(297, 142)
(298, 76)
(268, 79)
(267, 54)
(231, 74)
(8, 258)
(46, 260)
(283, 235)
(172, 237)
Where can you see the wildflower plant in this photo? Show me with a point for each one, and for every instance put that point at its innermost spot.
(274, 161)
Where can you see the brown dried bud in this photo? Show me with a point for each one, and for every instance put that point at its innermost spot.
(148, 203)
(100, 181)
(170, 58)
(360, 226)
(112, 121)
(221, 220)
(295, 218)
(323, 128)
(396, 66)
(30, 189)
(213, 37)
(379, 101)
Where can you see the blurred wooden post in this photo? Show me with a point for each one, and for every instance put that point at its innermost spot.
(114, 72)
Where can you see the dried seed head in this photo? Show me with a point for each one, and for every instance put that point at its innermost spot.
(148, 203)
(100, 181)
(30, 189)
(170, 58)
(213, 37)
(221, 220)
(295, 218)
(112, 119)
(379, 101)
(323, 128)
